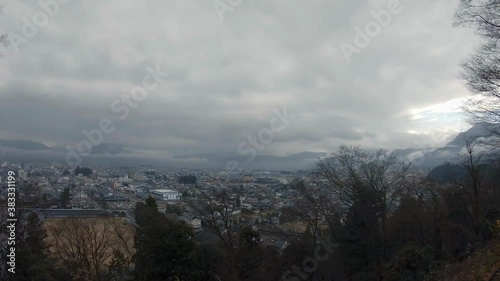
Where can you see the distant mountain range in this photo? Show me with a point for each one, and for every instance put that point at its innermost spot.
(104, 148)
(428, 158)
(119, 155)
(24, 145)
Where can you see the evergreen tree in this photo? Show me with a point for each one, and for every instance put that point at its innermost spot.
(361, 246)
(164, 247)
(65, 197)
(32, 258)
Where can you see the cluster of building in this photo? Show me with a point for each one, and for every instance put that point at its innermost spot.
(121, 188)
(258, 198)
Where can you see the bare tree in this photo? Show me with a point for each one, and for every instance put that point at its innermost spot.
(472, 185)
(316, 206)
(351, 171)
(482, 71)
(85, 244)
(216, 210)
(340, 173)
(123, 253)
(433, 204)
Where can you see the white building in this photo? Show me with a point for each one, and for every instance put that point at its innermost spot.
(166, 194)
(195, 224)
(246, 206)
(22, 174)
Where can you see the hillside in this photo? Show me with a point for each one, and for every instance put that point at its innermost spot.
(483, 265)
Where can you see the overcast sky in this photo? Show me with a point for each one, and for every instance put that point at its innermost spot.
(227, 76)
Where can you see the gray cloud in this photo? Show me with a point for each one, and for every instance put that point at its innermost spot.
(226, 77)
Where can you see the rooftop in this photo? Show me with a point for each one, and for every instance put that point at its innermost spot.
(164, 190)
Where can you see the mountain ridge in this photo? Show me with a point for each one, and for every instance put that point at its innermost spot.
(426, 158)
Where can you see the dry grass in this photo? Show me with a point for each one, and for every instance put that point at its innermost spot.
(479, 267)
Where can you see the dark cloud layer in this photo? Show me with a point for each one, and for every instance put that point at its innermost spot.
(226, 77)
